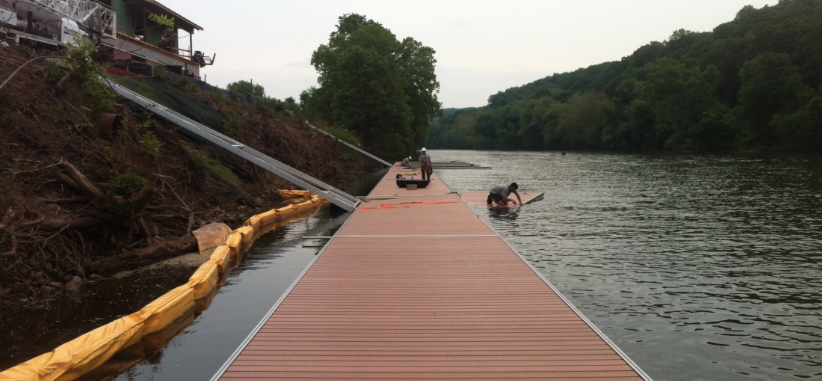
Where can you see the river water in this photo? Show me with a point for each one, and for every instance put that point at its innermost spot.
(699, 267)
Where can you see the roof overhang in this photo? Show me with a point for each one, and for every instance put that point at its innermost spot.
(155, 7)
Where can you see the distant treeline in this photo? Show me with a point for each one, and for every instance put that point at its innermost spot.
(751, 84)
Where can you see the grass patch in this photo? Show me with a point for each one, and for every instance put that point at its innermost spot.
(143, 89)
(233, 125)
(352, 156)
(214, 165)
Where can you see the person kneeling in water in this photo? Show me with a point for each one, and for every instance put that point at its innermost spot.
(500, 194)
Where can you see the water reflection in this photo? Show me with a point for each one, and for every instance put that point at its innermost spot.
(30, 333)
(697, 266)
(268, 269)
(504, 213)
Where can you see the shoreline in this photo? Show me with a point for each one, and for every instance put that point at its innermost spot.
(105, 300)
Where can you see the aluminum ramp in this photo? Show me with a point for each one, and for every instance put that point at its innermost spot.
(326, 191)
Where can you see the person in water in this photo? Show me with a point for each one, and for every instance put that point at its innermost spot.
(500, 194)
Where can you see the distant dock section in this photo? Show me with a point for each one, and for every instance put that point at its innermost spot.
(450, 165)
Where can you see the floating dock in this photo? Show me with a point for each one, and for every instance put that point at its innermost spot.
(454, 164)
(415, 286)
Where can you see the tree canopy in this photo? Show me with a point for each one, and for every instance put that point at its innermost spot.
(247, 87)
(372, 84)
(752, 83)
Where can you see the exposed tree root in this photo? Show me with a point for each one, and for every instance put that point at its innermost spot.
(142, 256)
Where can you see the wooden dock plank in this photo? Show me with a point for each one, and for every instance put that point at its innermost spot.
(388, 187)
(416, 286)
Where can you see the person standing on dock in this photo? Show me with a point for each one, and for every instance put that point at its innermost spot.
(500, 194)
(425, 164)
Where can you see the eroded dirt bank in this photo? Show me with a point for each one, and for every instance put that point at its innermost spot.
(81, 199)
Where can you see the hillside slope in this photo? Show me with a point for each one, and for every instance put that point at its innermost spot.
(751, 84)
(80, 197)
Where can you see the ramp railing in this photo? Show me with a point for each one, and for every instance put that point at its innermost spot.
(326, 191)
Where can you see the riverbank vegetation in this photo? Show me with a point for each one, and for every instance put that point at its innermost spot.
(91, 183)
(753, 83)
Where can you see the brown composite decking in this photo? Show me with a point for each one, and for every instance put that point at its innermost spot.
(416, 286)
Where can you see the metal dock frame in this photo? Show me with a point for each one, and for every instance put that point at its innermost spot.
(358, 149)
(326, 191)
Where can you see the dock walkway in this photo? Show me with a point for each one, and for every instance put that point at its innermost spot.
(415, 286)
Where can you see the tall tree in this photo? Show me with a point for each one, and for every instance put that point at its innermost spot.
(771, 86)
(371, 83)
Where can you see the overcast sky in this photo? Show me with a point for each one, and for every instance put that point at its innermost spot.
(482, 47)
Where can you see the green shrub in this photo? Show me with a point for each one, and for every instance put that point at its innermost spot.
(150, 144)
(110, 151)
(233, 125)
(163, 20)
(159, 71)
(180, 82)
(55, 74)
(125, 184)
(192, 88)
(97, 96)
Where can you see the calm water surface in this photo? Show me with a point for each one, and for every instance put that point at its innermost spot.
(699, 267)
(267, 271)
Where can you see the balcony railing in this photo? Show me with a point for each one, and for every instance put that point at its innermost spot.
(147, 46)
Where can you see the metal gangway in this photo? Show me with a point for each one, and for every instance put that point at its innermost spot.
(358, 149)
(326, 191)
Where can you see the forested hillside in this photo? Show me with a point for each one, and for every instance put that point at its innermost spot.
(750, 84)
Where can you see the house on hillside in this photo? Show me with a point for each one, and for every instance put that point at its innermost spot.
(138, 42)
(142, 43)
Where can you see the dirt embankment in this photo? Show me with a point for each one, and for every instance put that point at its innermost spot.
(80, 198)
